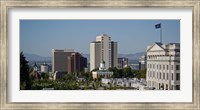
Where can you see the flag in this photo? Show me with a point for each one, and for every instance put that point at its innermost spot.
(158, 26)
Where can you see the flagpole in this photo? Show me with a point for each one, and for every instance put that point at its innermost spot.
(160, 33)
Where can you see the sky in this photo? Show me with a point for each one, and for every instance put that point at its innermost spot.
(41, 36)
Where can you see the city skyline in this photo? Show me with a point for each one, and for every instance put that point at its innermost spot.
(41, 36)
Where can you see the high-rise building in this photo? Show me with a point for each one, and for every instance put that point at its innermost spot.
(68, 61)
(44, 68)
(114, 54)
(122, 62)
(95, 57)
(163, 66)
(60, 59)
(76, 63)
(142, 62)
(103, 49)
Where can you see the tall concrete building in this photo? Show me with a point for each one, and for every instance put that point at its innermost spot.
(44, 68)
(163, 66)
(142, 62)
(114, 54)
(103, 49)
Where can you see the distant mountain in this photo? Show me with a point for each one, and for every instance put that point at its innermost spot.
(34, 57)
(132, 57)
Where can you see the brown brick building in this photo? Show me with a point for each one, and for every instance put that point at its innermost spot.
(67, 61)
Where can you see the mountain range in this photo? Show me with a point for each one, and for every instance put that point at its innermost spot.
(34, 57)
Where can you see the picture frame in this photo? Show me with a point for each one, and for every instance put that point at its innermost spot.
(5, 5)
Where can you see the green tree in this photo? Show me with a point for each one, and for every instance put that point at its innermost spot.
(143, 73)
(111, 69)
(25, 81)
(70, 77)
(45, 75)
(120, 73)
(140, 73)
(96, 69)
(137, 73)
(127, 71)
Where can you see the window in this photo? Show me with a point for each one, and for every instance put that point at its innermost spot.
(163, 67)
(153, 66)
(172, 67)
(153, 74)
(177, 67)
(177, 76)
(163, 75)
(172, 76)
(157, 74)
(157, 66)
(177, 87)
(167, 67)
(167, 76)
(160, 75)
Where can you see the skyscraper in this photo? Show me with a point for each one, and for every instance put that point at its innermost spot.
(68, 61)
(103, 49)
(76, 63)
(60, 59)
(114, 54)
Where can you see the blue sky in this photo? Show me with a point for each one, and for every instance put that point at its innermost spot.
(40, 36)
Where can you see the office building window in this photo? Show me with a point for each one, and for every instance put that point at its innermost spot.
(177, 87)
(167, 67)
(172, 76)
(163, 75)
(177, 67)
(177, 76)
(163, 67)
(172, 67)
(157, 74)
(160, 75)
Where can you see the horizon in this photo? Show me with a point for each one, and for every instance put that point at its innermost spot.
(133, 36)
(83, 54)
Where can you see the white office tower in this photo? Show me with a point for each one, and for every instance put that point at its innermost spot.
(44, 68)
(103, 49)
(163, 66)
